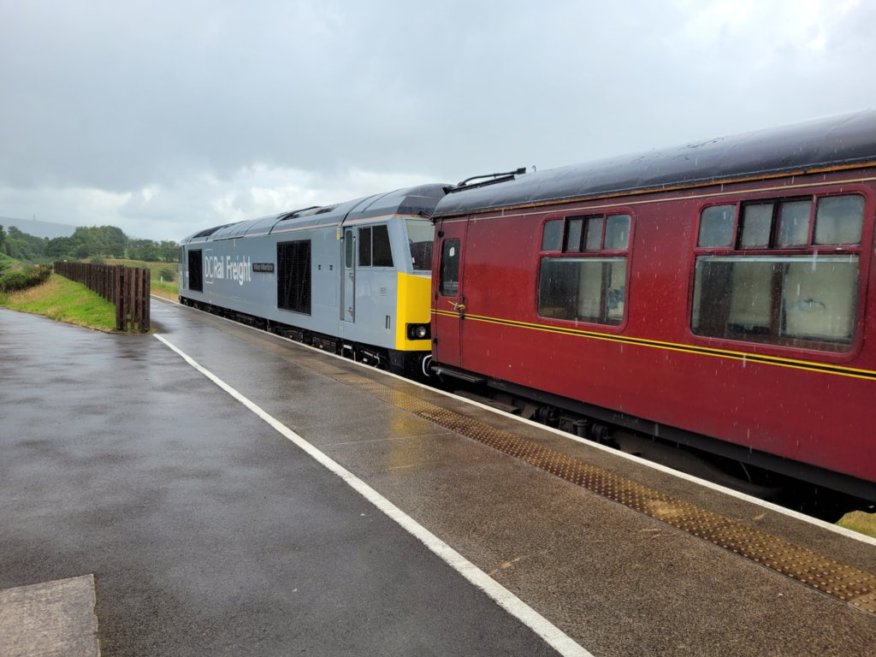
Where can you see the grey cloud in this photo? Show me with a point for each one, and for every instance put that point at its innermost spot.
(123, 96)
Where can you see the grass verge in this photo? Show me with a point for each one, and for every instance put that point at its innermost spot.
(164, 290)
(65, 301)
(858, 521)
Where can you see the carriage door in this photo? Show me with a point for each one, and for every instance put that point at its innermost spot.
(448, 300)
(348, 300)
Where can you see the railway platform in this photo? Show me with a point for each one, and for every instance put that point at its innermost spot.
(232, 492)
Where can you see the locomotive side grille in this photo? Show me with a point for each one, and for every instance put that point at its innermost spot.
(841, 581)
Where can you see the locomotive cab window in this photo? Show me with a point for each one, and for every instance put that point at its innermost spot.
(364, 247)
(584, 276)
(374, 248)
(786, 272)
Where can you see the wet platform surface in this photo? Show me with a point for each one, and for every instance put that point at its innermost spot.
(52, 619)
(210, 533)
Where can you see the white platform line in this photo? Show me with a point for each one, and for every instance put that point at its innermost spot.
(556, 638)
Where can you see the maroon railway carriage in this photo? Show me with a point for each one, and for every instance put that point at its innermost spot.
(718, 295)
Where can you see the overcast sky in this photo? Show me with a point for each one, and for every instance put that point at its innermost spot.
(164, 117)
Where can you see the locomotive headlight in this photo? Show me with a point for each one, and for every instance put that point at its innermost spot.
(418, 332)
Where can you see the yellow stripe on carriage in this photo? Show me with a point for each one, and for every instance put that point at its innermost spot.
(712, 352)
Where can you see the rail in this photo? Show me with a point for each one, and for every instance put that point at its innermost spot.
(127, 288)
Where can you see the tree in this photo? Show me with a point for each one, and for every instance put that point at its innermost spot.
(168, 251)
(86, 242)
(60, 247)
(23, 246)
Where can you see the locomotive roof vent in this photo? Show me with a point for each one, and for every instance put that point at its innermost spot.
(486, 179)
(305, 212)
(210, 231)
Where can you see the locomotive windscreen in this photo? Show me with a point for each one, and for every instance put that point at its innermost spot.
(420, 237)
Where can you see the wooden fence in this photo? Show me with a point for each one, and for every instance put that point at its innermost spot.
(125, 287)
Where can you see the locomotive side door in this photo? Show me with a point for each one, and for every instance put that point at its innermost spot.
(448, 300)
(348, 298)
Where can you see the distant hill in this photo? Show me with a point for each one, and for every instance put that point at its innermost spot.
(38, 228)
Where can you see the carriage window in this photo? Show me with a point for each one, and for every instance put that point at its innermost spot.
(591, 285)
(716, 226)
(573, 234)
(797, 296)
(293, 276)
(585, 289)
(839, 220)
(594, 234)
(756, 230)
(617, 232)
(794, 223)
(449, 276)
(552, 239)
(792, 300)
(757, 221)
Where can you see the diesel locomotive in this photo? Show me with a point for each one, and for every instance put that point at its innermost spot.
(352, 278)
(716, 296)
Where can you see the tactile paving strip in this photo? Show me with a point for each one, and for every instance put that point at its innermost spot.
(847, 583)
